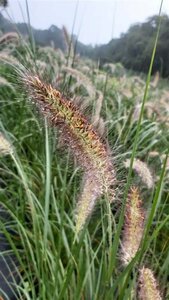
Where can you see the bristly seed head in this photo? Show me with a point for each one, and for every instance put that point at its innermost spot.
(142, 170)
(133, 226)
(148, 285)
(5, 146)
(81, 138)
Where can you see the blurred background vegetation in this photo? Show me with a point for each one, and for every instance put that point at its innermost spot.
(133, 49)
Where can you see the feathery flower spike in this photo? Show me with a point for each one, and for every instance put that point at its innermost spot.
(5, 146)
(9, 37)
(142, 170)
(81, 80)
(148, 285)
(81, 138)
(133, 226)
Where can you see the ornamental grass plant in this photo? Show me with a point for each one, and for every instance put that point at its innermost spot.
(87, 200)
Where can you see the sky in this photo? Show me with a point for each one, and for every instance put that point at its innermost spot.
(96, 21)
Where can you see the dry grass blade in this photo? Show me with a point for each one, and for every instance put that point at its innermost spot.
(99, 102)
(69, 46)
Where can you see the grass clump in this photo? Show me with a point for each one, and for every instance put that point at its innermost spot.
(59, 254)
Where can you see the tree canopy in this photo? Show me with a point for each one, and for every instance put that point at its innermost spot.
(134, 48)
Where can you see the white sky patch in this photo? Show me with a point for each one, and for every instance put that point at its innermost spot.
(96, 22)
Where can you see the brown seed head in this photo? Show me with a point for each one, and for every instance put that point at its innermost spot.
(81, 138)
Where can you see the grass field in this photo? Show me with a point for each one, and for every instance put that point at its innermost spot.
(42, 181)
